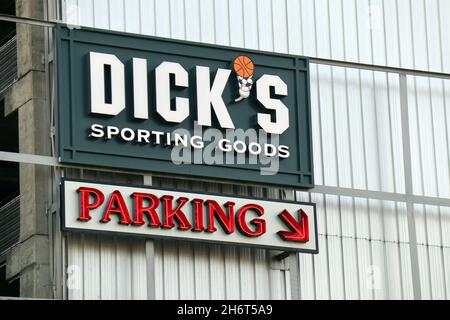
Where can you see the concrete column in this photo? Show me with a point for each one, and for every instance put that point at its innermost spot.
(28, 97)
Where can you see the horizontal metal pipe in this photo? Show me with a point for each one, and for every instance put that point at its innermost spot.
(31, 21)
(374, 67)
(28, 158)
(381, 195)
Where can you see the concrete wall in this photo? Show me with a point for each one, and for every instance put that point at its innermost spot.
(30, 259)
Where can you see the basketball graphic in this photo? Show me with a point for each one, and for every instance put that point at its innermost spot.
(243, 66)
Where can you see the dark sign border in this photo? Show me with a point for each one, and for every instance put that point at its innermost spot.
(70, 153)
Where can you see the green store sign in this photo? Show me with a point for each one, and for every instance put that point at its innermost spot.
(183, 108)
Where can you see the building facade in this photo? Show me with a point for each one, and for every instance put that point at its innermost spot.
(380, 115)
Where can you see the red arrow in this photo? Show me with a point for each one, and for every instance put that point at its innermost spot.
(300, 231)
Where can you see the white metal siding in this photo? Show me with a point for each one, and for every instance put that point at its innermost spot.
(106, 268)
(399, 33)
(364, 245)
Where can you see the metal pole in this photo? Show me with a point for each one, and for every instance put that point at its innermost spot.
(409, 188)
(31, 21)
(381, 68)
(150, 256)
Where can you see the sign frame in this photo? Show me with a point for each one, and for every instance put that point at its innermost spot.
(301, 177)
(313, 232)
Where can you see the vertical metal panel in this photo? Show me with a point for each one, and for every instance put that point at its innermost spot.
(429, 139)
(138, 270)
(364, 245)
(105, 267)
(116, 18)
(108, 283)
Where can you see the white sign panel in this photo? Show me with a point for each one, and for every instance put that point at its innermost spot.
(153, 212)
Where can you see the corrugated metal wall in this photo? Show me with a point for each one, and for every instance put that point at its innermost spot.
(9, 225)
(364, 245)
(8, 64)
(102, 267)
(429, 102)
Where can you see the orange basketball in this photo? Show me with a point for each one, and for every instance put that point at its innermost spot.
(243, 66)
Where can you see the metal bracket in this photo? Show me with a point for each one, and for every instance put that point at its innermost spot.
(282, 256)
(278, 260)
(52, 131)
